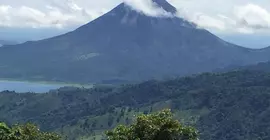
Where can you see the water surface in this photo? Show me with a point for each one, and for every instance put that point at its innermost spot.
(29, 86)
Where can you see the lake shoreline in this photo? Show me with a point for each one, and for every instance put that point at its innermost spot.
(25, 86)
(65, 84)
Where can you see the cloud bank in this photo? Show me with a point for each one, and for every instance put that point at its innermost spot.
(57, 15)
(253, 16)
(230, 16)
(246, 18)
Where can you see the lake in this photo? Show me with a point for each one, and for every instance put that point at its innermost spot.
(29, 86)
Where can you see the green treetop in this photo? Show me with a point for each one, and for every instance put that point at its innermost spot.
(25, 132)
(158, 126)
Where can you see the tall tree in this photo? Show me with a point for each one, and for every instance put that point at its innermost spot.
(157, 126)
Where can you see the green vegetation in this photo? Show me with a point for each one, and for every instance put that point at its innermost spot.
(25, 132)
(159, 126)
(233, 105)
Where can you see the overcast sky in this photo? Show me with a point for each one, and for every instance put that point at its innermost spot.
(246, 22)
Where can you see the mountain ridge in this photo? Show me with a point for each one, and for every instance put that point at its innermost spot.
(123, 46)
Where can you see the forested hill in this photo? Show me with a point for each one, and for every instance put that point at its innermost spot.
(233, 105)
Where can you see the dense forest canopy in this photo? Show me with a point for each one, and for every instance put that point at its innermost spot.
(232, 105)
(25, 132)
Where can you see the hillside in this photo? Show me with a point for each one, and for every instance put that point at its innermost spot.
(233, 105)
(125, 46)
(6, 42)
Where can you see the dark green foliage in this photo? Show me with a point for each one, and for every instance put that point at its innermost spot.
(111, 109)
(110, 120)
(122, 112)
(118, 120)
(145, 112)
(129, 109)
(232, 105)
(94, 124)
(127, 120)
(158, 126)
(25, 132)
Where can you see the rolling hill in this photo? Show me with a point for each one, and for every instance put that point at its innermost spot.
(232, 105)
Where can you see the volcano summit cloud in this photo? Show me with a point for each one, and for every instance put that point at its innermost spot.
(148, 7)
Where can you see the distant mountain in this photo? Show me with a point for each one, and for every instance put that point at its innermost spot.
(125, 46)
(7, 42)
(263, 67)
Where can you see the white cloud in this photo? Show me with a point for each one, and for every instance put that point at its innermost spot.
(4, 8)
(246, 18)
(147, 7)
(244, 30)
(66, 13)
(205, 21)
(253, 16)
(243, 16)
(57, 15)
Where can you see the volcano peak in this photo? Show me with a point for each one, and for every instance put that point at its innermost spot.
(164, 4)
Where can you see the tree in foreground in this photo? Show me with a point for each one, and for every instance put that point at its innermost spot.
(158, 126)
(25, 132)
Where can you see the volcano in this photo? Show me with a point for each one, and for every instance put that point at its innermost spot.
(125, 45)
(165, 5)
